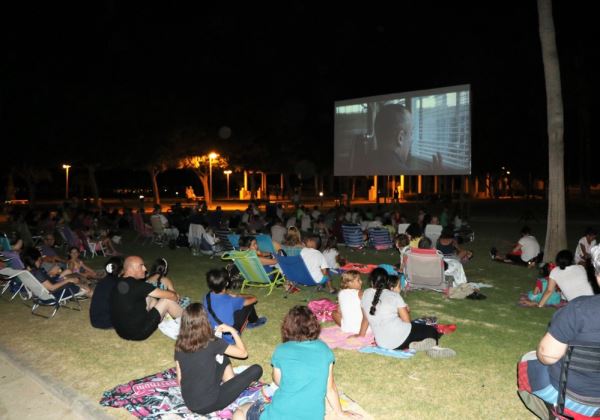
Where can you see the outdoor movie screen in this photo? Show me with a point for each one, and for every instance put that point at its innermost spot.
(425, 132)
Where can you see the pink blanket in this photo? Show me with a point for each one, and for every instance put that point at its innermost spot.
(361, 268)
(334, 337)
(322, 308)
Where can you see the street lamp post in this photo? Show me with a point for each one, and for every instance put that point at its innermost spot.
(66, 168)
(211, 156)
(227, 172)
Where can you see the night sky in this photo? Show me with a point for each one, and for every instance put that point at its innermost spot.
(108, 79)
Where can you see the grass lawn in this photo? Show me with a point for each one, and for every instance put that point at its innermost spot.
(479, 383)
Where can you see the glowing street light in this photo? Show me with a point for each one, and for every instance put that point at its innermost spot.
(211, 156)
(66, 168)
(227, 172)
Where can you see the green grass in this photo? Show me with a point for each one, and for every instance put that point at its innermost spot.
(479, 383)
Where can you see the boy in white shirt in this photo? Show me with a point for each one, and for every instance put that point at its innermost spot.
(316, 263)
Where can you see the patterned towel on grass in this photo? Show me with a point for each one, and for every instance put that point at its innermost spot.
(398, 354)
(158, 396)
(526, 303)
(334, 337)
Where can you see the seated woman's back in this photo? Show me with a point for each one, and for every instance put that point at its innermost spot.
(572, 281)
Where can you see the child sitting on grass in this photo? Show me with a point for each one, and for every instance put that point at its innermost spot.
(541, 284)
(204, 371)
(224, 307)
(303, 370)
(389, 318)
(349, 315)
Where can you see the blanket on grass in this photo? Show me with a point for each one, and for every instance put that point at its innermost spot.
(334, 337)
(526, 303)
(361, 268)
(158, 396)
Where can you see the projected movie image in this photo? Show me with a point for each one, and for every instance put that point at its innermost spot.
(411, 133)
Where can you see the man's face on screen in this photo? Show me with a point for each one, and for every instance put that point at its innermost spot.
(403, 137)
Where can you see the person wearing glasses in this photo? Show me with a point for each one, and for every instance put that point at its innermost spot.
(137, 307)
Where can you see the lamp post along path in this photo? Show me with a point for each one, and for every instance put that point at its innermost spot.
(66, 168)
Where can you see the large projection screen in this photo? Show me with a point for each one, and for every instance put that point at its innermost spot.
(426, 132)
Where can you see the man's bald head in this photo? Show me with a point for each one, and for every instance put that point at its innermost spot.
(134, 267)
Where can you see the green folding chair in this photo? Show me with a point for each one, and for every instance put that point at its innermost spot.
(253, 271)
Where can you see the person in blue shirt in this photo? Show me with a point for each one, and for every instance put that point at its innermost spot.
(225, 307)
(303, 371)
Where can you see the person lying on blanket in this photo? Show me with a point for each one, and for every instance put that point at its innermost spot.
(306, 365)
(138, 307)
(204, 370)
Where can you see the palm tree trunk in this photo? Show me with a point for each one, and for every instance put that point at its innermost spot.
(154, 177)
(93, 184)
(556, 234)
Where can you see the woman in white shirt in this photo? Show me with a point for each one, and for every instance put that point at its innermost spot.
(571, 278)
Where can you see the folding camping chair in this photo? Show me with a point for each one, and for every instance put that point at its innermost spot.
(9, 281)
(433, 232)
(143, 231)
(380, 238)
(402, 227)
(234, 240)
(159, 236)
(295, 271)
(424, 269)
(353, 236)
(581, 357)
(265, 243)
(253, 272)
(42, 296)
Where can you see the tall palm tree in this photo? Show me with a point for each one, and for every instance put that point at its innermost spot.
(556, 234)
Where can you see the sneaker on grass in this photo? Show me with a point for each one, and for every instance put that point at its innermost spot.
(260, 321)
(424, 345)
(440, 352)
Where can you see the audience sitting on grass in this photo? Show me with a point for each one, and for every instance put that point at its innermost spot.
(316, 263)
(292, 238)
(76, 265)
(570, 278)
(402, 244)
(138, 307)
(158, 276)
(332, 255)
(349, 315)
(414, 233)
(539, 372)
(525, 252)
(448, 246)
(303, 371)
(585, 244)
(204, 372)
(100, 304)
(56, 281)
(389, 318)
(541, 284)
(225, 307)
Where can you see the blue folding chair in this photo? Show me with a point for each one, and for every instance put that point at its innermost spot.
(234, 240)
(295, 271)
(291, 251)
(265, 243)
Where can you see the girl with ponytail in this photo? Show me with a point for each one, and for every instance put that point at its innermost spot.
(389, 318)
(571, 278)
